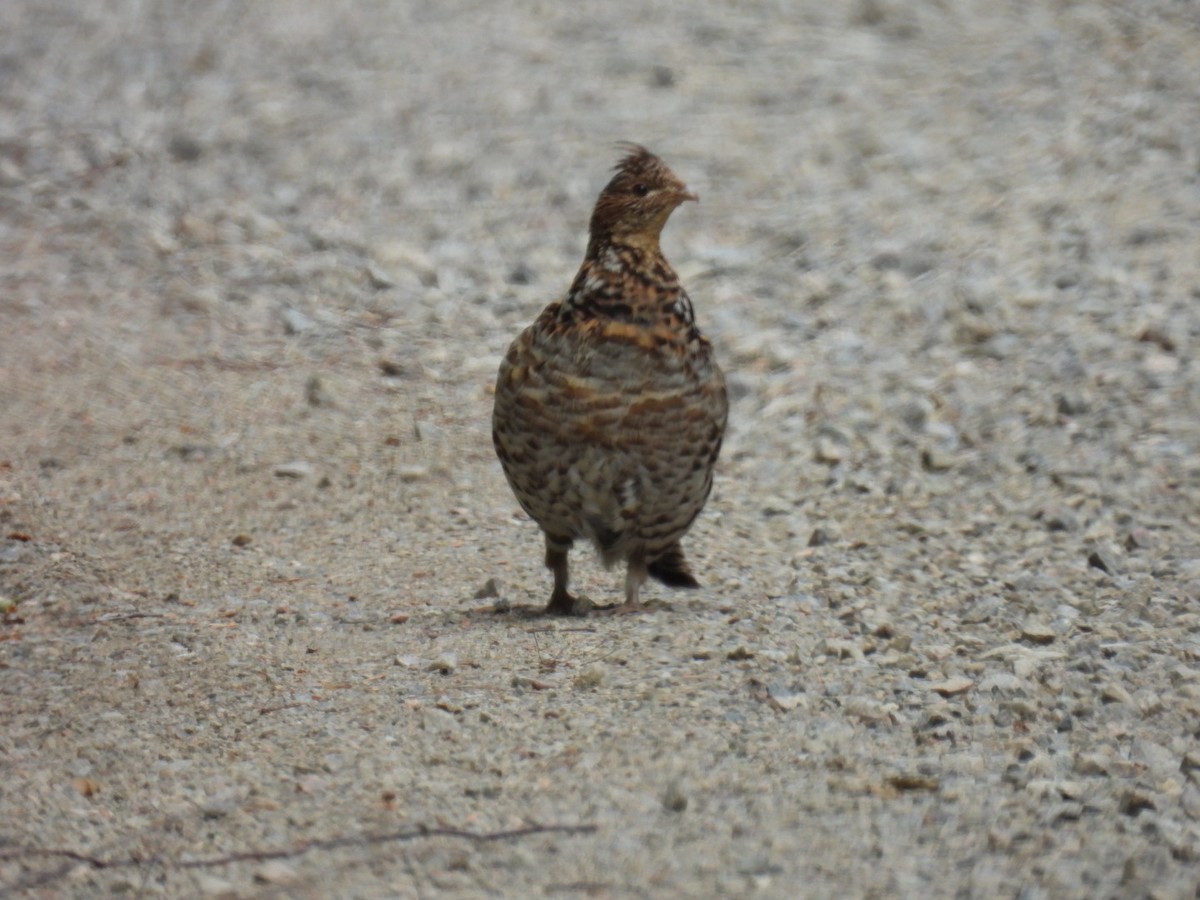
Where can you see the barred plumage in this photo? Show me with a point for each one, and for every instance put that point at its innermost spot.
(610, 408)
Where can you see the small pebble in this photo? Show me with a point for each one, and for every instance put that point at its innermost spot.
(822, 535)
(908, 781)
(1135, 801)
(1114, 693)
(488, 589)
(220, 804)
(1099, 559)
(828, 450)
(185, 148)
(1060, 520)
(378, 277)
(935, 459)
(1091, 764)
(294, 321)
(1139, 539)
(785, 699)
(275, 871)
(316, 392)
(674, 799)
(1037, 632)
(1071, 404)
(1189, 800)
(952, 686)
(297, 470)
(214, 886)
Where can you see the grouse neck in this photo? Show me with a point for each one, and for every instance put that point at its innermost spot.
(634, 249)
(634, 265)
(627, 283)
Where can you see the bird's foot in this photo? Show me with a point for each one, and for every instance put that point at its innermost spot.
(564, 604)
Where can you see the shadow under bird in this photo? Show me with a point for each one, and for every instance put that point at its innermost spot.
(610, 408)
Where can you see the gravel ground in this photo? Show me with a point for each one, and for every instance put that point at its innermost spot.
(258, 263)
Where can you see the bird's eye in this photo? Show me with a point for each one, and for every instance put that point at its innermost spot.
(641, 190)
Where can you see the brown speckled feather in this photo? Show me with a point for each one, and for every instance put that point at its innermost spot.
(610, 408)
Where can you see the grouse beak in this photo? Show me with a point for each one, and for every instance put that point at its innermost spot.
(685, 194)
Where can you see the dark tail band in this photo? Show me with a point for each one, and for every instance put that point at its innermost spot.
(671, 568)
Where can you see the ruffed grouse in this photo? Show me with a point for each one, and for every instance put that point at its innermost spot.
(610, 408)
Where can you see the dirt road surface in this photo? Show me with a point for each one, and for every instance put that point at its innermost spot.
(265, 626)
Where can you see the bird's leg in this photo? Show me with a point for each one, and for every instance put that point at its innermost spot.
(635, 577)
(561, 602)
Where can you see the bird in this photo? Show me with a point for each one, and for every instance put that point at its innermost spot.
(610, 408)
